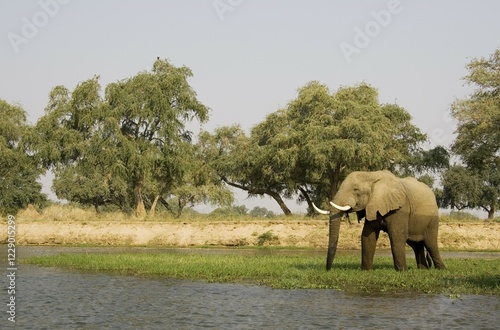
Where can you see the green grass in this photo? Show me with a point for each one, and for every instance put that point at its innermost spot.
(463, 276)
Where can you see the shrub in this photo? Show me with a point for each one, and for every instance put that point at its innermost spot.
(268, 237)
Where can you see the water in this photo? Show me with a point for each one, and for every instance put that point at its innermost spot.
(50, 298)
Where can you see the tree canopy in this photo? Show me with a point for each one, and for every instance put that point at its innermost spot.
(478, 116)
(19, 169)
(129, 146)
(310, 145)
(478, 141)
(125, 148)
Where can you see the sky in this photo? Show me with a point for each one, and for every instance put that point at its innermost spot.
(249, 57)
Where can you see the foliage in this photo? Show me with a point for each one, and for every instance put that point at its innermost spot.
(477, 141)
(231, 211)
(261, 212)
(478, 116)
(460, 188)
(267, 238)
(19, 168)
(241, 162)
(459, 215)
(310, 145)
(433, 160)
(463, 276)
(129, 148)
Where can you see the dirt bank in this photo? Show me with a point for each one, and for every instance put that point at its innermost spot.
(307, 233)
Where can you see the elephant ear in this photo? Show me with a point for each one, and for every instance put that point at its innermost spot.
(388, 194)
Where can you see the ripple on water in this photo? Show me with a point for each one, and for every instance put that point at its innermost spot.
(50, 298)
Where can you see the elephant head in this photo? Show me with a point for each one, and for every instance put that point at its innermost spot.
(369, 194)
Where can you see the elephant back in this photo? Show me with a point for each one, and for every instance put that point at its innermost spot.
(421, 197)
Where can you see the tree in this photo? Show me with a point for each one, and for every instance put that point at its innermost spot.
(478, 130)
(478, 116)
(261, 212)
(19, 168)
(126, 143)
(230, 211)
(248, 164)
(75, 145)
(310, 145)
(461, 188)
(149, 113)
(434, 160)
(197, 182)
(346, 131)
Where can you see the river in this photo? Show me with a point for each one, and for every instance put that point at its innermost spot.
(52, 298)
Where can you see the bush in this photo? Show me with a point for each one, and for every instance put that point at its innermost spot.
(233, 211)
(268, 237)
(460, 216)
(261, 212)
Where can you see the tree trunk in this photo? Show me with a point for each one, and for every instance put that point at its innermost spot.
(280, 202)
(167, 206)
(335, 180)
(140, 210)
(152, 211)
(491, 213)
(259, 191)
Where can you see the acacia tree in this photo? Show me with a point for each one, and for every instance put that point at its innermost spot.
(311, 144)
(461, 188)
(149, 114)
(478, 134)
(19, 168)
(346, 131)
(76, 147)
(190, 181)
(129, 139)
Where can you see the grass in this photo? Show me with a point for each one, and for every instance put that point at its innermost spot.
(71, 212)
(78, 214)
(463, 276)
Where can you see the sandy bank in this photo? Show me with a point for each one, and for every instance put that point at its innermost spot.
(307, 233)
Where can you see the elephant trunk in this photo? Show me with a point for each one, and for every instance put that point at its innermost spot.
(333, 238)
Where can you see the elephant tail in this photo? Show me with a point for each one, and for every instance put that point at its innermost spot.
(428, 259)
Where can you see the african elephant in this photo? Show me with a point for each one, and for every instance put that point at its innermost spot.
(404, 208)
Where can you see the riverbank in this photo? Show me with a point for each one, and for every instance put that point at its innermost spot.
(470, 236)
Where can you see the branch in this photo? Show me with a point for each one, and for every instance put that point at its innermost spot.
(485, 208)
(306, 196)
(167, 206)
(256, 191)
(262, 191)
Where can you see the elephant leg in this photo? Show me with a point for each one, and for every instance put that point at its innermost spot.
(431, 245)
(418, 248)
(398, 235)
(432, 248)
(369, 237)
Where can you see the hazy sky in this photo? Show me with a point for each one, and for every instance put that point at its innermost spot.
(249, 57)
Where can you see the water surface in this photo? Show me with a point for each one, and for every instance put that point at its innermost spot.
(52, 298)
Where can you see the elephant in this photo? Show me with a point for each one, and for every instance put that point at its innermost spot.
(405, 209)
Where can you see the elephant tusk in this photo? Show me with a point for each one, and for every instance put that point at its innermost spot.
(340, 208)
(320, 211)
